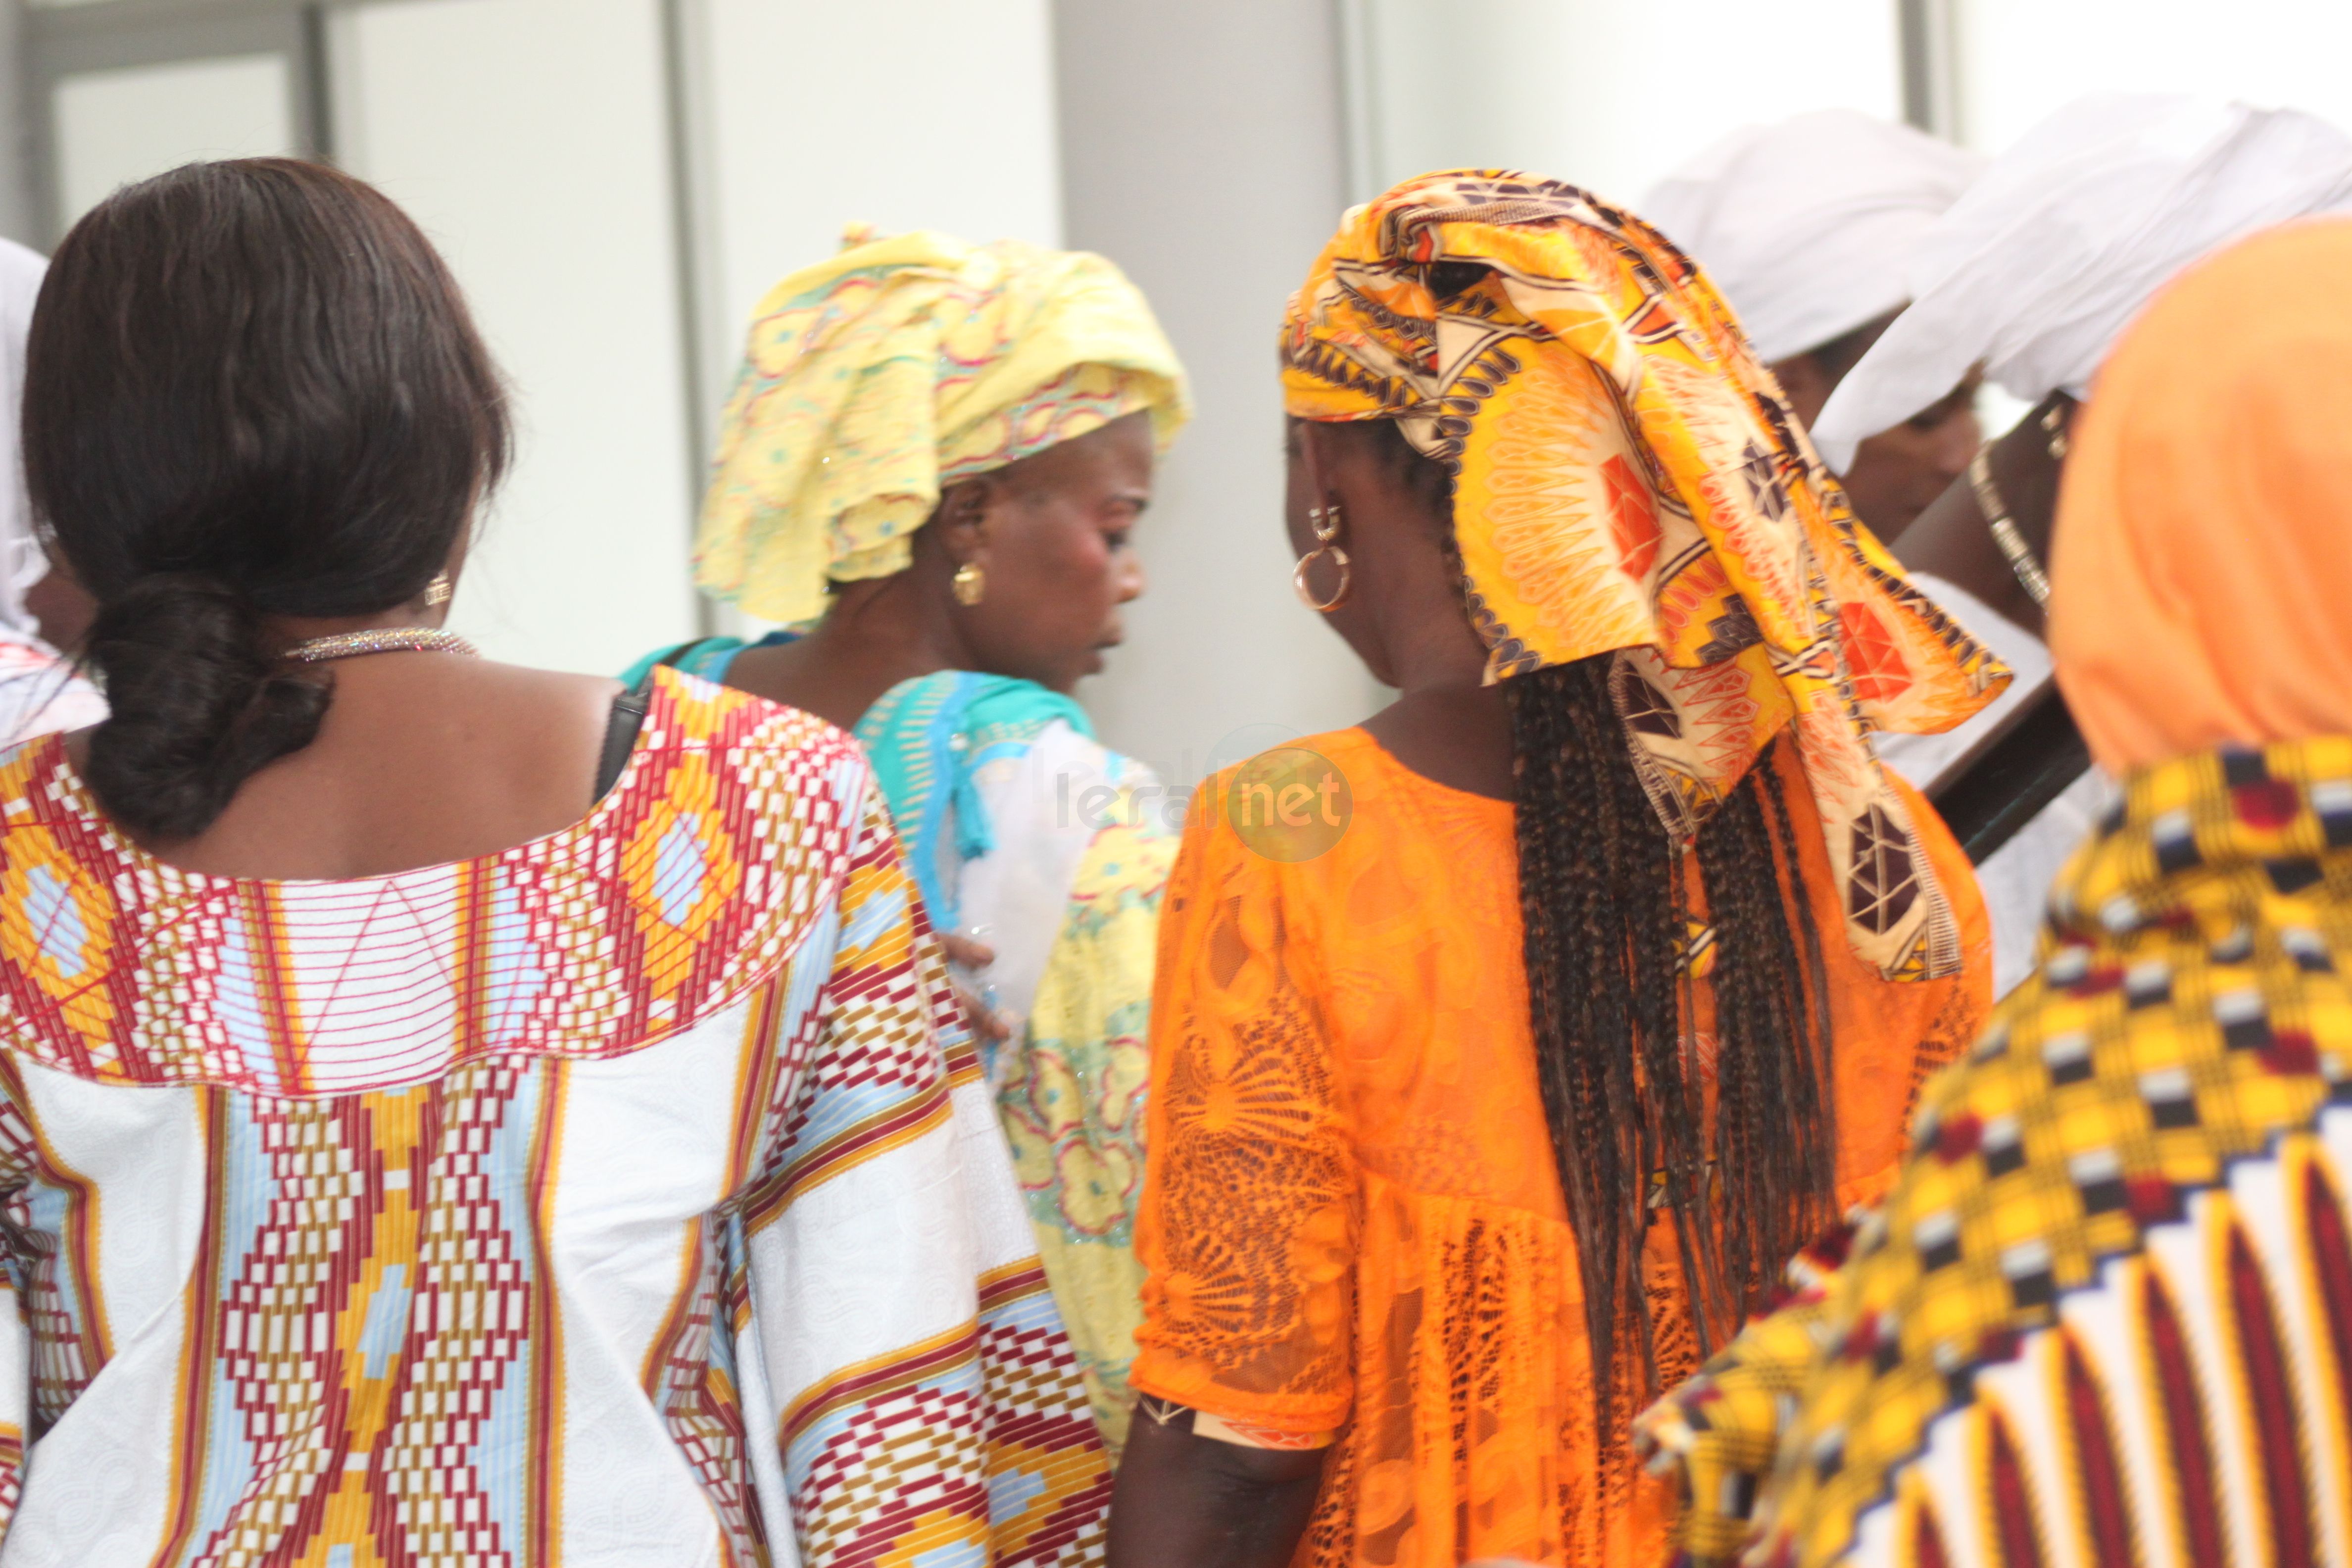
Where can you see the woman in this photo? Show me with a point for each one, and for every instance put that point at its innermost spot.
(1442, 1179)
(2031, 276)
(1806, 227)
(2105, 1315)
(930, 468)
(445, 1118)
(39, 610)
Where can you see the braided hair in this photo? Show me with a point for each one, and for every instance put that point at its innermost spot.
(1613, 920)
(1607, 904)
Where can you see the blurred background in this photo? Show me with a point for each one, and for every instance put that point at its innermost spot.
(617, 182)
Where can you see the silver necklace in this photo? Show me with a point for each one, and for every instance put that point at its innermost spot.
(382, 639)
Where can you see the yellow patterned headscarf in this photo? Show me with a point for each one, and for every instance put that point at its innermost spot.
(1628, 479)
(872, 380)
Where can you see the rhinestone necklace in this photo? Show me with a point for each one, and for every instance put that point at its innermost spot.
(383, 640)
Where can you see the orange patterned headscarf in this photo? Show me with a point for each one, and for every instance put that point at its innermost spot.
(2202, 561)
(1627, 478)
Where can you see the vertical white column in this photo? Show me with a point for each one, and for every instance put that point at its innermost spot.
(1203, 146)
(531, 138)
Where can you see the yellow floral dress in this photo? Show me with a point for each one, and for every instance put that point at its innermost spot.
(1072, 1101)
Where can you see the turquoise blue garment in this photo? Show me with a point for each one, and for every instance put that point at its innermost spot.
(927, 739)
(708, 659)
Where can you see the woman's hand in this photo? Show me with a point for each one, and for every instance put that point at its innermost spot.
(966, 957)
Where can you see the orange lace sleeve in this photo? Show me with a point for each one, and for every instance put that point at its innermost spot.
(1247, 1229)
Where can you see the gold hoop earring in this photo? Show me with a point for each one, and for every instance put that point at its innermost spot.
(437, 592)
(1325, 521)
(969, 583)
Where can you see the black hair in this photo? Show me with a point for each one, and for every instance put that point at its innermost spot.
(252, 390)
(1613, 924)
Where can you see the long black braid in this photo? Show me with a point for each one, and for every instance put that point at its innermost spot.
(1611, 924)
(1608, 919)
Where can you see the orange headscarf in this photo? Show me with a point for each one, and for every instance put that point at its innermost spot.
(2202, 569)
(1627, 478)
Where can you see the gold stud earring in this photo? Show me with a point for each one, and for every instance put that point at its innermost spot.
(438, 591)
(969, 583)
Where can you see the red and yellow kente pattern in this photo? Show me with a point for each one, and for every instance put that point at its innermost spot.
(616, 1197)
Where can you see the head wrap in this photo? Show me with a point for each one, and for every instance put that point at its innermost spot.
(2036, 270)
(1806, 227)
(22, 564)
(1628, 480)
(2202, 567)
(872, 380)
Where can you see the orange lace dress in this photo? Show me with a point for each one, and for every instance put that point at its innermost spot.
(1353, 1223)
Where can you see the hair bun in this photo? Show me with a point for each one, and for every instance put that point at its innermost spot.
(199, 701)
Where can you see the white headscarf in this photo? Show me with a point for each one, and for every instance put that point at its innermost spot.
(2069, 233)
(1806, 226)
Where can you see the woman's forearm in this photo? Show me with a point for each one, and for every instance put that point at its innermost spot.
(1188, 1502)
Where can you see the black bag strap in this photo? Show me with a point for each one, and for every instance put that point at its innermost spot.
(621, 733)
(629, 717)
(2037, 756)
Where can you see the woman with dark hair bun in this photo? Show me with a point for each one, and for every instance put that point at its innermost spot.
(450, 1112)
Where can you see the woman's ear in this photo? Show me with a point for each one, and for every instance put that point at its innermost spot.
(1316, 454)
(963, 517)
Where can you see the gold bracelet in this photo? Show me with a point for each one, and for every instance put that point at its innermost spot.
(2011, 543)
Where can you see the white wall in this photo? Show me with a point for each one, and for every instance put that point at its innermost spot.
(902, 114)
(114, 127)
(530, 139)
(2020, 59)
(802, 117)
(1201, 149)
(534, 140)
(1609, 94)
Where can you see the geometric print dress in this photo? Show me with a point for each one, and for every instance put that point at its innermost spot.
(630, 1196)
(2105, 1315)
(1015, 821)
